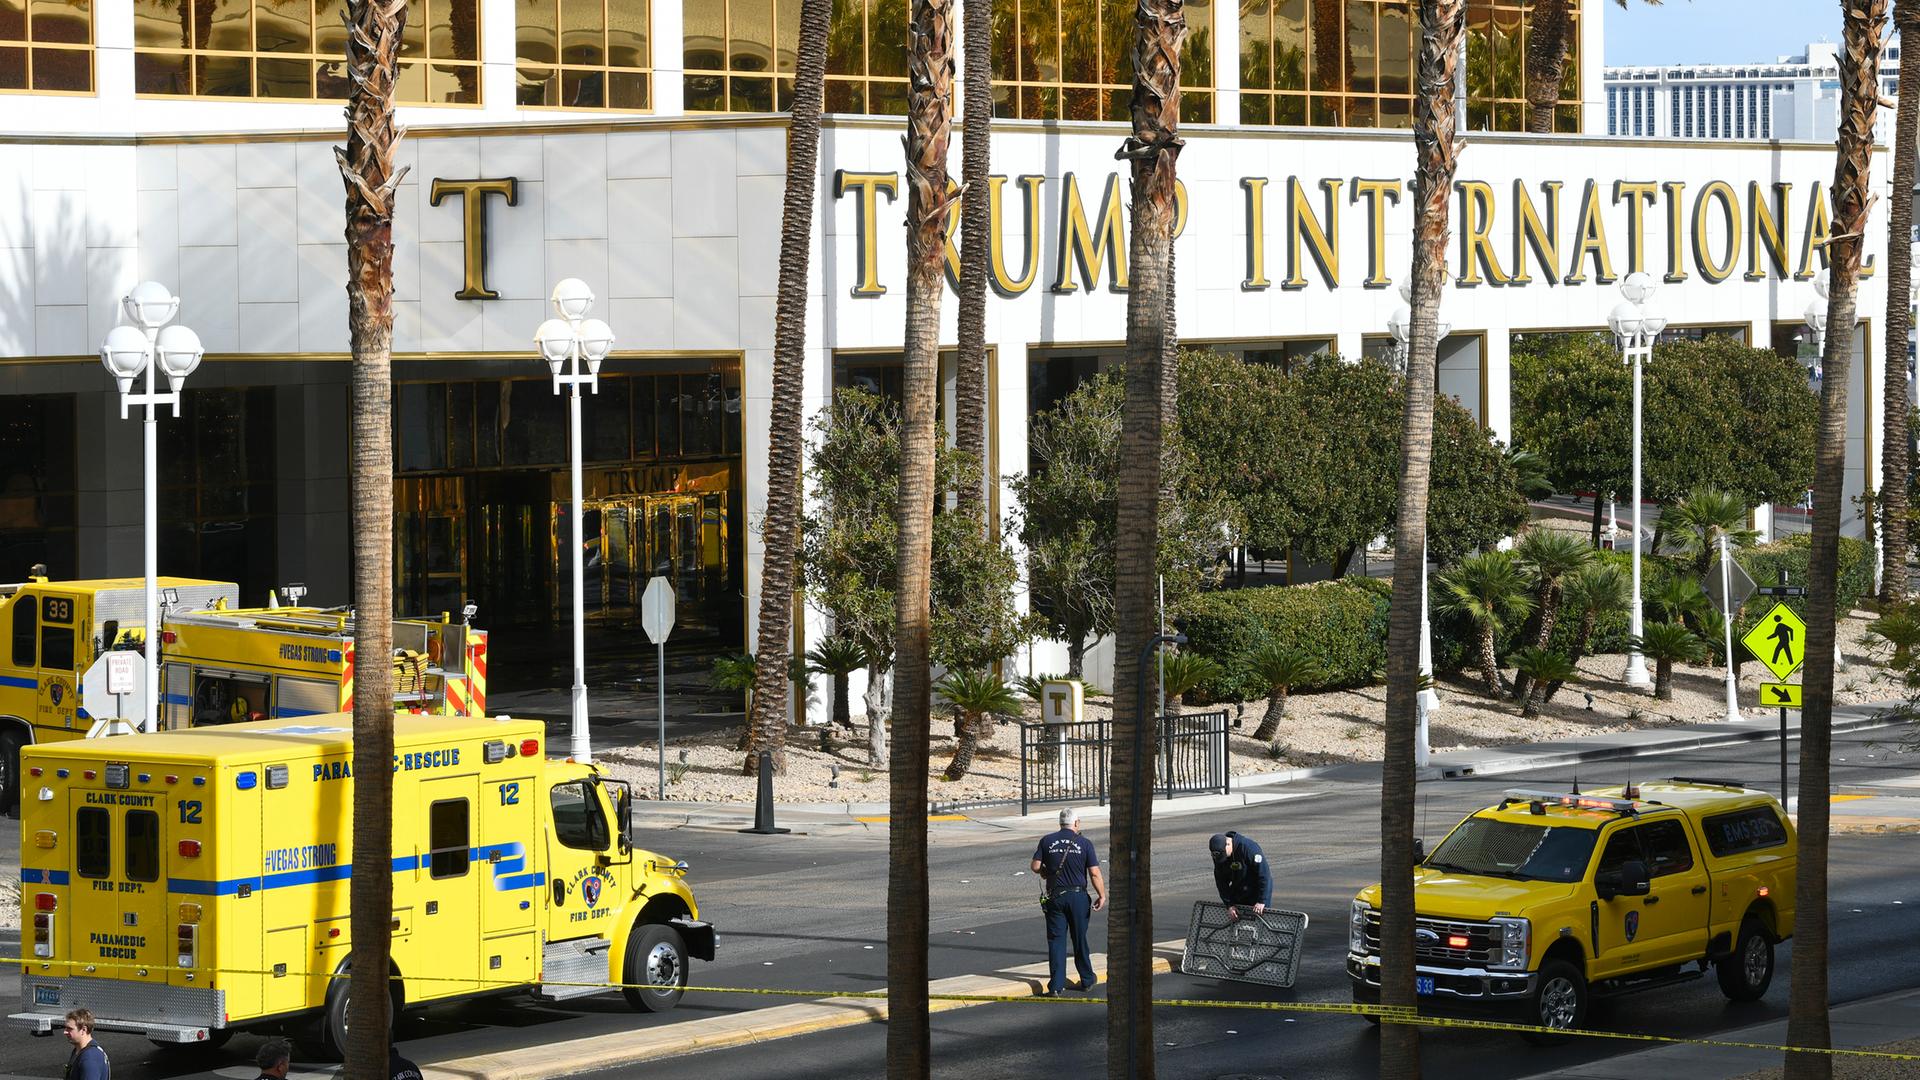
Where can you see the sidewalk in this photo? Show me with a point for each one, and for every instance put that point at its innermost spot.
(1887, 806)
(1874, 1022)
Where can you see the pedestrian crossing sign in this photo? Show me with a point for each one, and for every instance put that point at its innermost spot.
(1778, 640)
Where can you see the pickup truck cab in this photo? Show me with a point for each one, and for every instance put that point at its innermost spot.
(1544, 901)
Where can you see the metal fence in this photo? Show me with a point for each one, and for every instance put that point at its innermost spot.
(1070, 762)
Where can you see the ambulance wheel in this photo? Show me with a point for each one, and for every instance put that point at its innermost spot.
(10, 743)
(327, 1037)
(656, 968)
(1746, 973)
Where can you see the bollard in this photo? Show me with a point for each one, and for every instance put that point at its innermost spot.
(763, 802)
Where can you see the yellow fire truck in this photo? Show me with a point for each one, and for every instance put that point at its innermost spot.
(219, 663)
(186, 884)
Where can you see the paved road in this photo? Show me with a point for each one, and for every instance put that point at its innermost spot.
(808, 912)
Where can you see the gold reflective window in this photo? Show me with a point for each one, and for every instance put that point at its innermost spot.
(1073, 60)
(739, 55)
(294, 50)
(1351, 63)
(586, 54)
(46, 46)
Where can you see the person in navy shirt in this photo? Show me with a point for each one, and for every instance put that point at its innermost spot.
(88, 1061)
(1070, 866)
(1240, 873)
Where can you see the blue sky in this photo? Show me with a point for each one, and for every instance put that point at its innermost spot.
(1715, 31)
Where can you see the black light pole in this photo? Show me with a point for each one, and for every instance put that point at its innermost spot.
(1147, 714)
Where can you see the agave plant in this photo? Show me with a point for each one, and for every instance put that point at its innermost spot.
(1543, 668)
(976, 697)
(838, 657)
(1899, 628)
(1551, 557)
(1668, 643)
(1279, 668)
(1184, 671)
(1491, 591)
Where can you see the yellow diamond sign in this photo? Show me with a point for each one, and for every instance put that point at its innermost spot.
(1779, 641)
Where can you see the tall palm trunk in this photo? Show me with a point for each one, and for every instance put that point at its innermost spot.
(1893, 441)
(368, 169)
(1160, 27)
(1807, 1022)
(1437, 151)
(1549, 26)
(929, 128)
(767, 726)
(976, 158)
(967, 729)
(1489, 660)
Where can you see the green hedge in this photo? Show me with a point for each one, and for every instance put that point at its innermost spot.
(1341, 625)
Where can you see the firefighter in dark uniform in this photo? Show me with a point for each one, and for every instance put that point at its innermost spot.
(1240, 873)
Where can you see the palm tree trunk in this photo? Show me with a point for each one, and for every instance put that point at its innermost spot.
(1893, 442)
(1522, 682)
(1594, 539)
(1276, 712)
(1663, 680)
(966, 740)
(774, 636)
(1160, 27)
(1580, 643)
(1547, 30)
(368, 169)
(1437, 149)
(1489, 661)
(976, 158)
(929, 128)
(1807, 1021)
(842, 708)
(876, 703)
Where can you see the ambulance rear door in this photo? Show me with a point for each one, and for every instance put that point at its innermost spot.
(510, 891)
(447, 890)
(119, 886)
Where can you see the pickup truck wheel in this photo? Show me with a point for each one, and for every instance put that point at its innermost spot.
(656, 968)
(1559, 1001)
(1746, 973)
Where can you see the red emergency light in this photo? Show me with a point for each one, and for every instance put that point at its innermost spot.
(1457, 941)
(189, 849)
(46, 901)
(529, 748)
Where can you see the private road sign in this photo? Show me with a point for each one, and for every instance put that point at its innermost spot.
(1778, 640)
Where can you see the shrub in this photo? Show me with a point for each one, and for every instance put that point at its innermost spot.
(1339, 626)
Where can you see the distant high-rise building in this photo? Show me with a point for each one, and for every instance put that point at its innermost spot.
(1794, 98)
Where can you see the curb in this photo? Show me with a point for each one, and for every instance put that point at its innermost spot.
(604, 1052)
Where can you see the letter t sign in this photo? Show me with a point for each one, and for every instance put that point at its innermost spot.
(473, 226)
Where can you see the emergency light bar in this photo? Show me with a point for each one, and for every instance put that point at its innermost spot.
(1579, 802)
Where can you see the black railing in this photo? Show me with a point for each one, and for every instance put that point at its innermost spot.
(1069, 762)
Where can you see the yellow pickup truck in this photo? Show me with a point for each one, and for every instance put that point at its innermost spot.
(1545, 901)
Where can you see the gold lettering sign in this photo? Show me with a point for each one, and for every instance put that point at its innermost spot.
(1476, 249)
(1637, 193)
(1766, 230)
(1106, 244)
(473, 227)
(1004, 283)
(1302, 223)
(1676, 260)
(1590, 238)
(1721, 192)
(869, 185)
(1256, 233)
(1818, 232)
(1378, 194)
(1529, 232)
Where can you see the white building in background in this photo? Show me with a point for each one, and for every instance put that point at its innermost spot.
(1795, 98)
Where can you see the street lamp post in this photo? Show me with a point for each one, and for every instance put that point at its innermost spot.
(1636, 324)
(131, 352)
(565, 341)
(1400, 324)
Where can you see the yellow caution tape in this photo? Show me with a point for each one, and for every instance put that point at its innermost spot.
(1389, 1014)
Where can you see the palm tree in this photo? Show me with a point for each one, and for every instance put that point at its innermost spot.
(1678, 599)
(371, 176)
(976, 162)
(1279, 668)
(1549, 555)
(767, 720)
(1530, 474)
(1184, 671)
(1549, 30)
(929, 129)
(1542, 667)
(1899, 628)
(1596, 589)
(976, 697)
(1698, 521)
(1894, 461)
(1667, 643)
(1491, 591)
(1436, 150)
(1153, 147)
(837, 658)
(1807, 1021)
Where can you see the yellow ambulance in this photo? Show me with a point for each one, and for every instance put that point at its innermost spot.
(186, 884)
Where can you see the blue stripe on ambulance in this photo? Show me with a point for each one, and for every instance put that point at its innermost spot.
(19, 683)
(507, 875)
(43, 877)
(176, 699)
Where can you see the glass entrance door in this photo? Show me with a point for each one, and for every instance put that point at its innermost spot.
(631, 539)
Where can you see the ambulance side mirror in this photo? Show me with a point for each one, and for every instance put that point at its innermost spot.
(625, 803)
